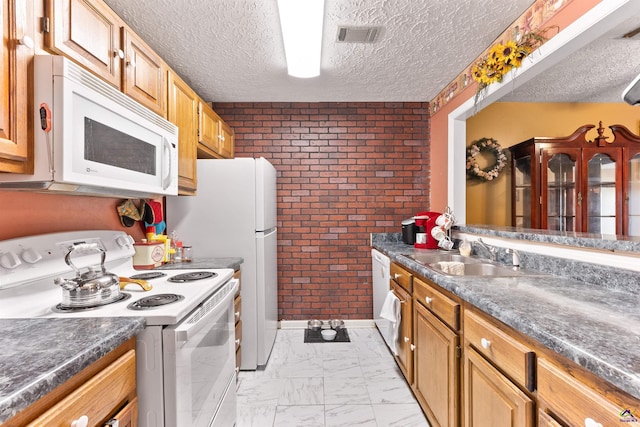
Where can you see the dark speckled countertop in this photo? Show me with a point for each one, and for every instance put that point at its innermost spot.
(40, 354)
(597, 328)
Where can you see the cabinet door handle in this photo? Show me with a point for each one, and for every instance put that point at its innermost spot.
(590, 422)
(83, 421)
(27, 42)
(485, 343)
(428, 300)
(413, 347)
(406, 339)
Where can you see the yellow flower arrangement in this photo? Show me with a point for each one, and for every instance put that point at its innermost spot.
(502, 58)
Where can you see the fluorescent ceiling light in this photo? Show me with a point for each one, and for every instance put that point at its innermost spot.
(301, 22)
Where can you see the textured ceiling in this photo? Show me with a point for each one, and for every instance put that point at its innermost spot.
(231, 50)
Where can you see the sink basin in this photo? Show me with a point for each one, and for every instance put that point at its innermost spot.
(479, 269)
(430, 258)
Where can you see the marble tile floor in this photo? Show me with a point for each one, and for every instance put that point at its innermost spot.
(327, 385)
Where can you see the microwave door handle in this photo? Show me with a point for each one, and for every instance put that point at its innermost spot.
(186, 330)
(166, 180)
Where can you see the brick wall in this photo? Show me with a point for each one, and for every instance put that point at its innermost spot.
(345, 170)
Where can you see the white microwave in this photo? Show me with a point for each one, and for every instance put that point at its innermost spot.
(92, 139)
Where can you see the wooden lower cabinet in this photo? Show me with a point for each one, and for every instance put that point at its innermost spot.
(436, 368)
(103, 391)
(405, 335)
(566, 400)
(490, 398)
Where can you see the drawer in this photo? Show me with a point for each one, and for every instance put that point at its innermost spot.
(545, 420)
(572, 401)
(237, 308)
(441, 305)
(98, 397)
(401, 276)
(510, 355)
(238, 358)
(127, 416)
(238, 334)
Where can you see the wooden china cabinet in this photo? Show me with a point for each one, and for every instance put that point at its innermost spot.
(575, 184)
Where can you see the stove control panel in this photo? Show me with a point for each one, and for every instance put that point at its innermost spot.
(32, 258)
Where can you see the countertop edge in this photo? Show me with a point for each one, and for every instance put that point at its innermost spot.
(20, 399)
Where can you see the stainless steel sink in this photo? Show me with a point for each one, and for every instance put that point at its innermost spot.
(479, 269)
(430, 258)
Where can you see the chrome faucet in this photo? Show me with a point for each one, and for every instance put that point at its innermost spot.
(516, 256)
(492, 250)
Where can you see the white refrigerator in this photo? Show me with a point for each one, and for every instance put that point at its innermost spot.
(234, 215)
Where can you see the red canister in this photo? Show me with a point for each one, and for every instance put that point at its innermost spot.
(425, 221)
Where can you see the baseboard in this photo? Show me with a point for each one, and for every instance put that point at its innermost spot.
(350, 323)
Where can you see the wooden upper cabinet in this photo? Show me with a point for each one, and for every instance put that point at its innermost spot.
(16, 26)
(88, 32)
(182, 110)
(215, 136)
(143, 74)
(227, 142)
(208, 131)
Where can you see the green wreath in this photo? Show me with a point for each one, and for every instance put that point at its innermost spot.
(488, 145)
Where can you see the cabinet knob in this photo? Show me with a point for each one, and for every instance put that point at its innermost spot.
(113, 422)
(406, 339)
(590, 422)
(485, 343)
(428, 300)
(237, 314)
(237, 342)
(83, 421)
(413, 347)
(131, 63)
(119, 53)
(27, 42)
(397, 276)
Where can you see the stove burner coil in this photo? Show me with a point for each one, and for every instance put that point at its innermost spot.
(148, 276)
(192, 276)
(62, 308)
(154, 301)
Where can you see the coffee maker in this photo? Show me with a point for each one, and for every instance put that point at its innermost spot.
(425, 222)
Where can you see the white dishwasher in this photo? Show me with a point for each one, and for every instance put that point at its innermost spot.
(380, 267)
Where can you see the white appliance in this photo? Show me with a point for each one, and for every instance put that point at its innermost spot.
(185, 357)
(234, 215)
(90, 138)
(380, 272)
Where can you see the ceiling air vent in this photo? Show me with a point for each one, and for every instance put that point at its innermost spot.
(358, 34)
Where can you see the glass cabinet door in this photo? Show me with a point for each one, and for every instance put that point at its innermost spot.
(633, 196)
(561, 194)
(523, 191)
(601, 194)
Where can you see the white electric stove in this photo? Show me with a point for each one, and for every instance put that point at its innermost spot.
(186, 353)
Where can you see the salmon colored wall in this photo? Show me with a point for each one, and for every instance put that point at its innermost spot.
(439, 120)
(28, 214)
(510, 123)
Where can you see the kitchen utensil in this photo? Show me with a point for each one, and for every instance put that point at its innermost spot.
(315, 325)
(329, 334)
(124, 281)
(446, 244)
(90, 288)
(438, 233)
(336, 323)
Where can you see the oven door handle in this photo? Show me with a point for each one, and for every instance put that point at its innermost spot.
(196, 321)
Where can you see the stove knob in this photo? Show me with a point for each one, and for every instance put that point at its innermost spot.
(9, 260)
(31, 256)
(123, 242)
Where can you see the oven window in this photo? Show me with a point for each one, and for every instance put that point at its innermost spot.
(204, 368)
(109, 146)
